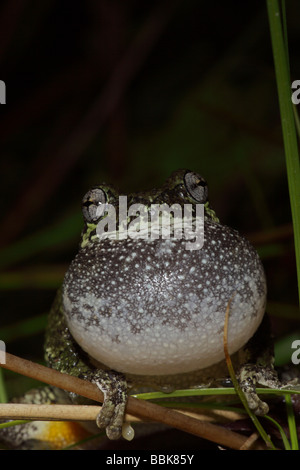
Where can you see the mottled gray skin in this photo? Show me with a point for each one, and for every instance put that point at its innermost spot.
(151, 313)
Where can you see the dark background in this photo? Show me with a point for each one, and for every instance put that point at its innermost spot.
(126, 92)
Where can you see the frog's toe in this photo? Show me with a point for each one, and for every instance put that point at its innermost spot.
(249, 376)
(111, 419)
(111, 416)
(259, 407)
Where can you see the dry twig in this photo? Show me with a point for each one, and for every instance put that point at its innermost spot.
(139, 408)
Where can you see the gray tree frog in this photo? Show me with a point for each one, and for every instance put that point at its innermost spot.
(142, 311)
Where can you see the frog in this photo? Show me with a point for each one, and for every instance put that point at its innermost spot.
(138, 312)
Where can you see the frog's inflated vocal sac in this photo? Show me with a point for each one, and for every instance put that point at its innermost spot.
(150, 311)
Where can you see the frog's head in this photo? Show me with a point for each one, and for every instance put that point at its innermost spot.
(152, 305)
(182, 187)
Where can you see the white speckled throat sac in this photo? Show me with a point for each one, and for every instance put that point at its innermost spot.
(152, 307)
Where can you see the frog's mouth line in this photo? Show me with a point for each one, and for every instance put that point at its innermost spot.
(152, 222)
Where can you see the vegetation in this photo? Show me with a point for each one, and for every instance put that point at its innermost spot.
(126, 92)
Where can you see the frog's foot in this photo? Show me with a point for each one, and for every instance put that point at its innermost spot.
(251, 375)
(111, 416)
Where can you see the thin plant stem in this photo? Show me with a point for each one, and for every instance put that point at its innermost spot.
(237, 387)
(281, 64)
(285, 440)
(292, 423)
(3, 394)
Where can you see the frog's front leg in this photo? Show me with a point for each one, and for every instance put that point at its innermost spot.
(113, 385)
(257, 367)
(251, 375)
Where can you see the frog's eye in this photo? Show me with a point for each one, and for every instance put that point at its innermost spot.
(196, 187)
(93, 205)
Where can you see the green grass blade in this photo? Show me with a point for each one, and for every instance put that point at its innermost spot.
(287, 119)
(196, 392)
(291, 422)
(285, 440)
(16, 422)
(24, 328)
(3, 394)
(62, 232)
